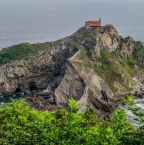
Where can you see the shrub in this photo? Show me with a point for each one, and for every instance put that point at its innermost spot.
(24, 125)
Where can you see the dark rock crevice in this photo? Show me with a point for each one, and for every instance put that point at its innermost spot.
(37, 76)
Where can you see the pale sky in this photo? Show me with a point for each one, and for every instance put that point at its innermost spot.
(48, 20)
(81, 0)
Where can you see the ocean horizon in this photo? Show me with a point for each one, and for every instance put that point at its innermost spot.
(36, 21)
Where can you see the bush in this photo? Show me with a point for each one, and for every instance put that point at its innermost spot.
(23, 125)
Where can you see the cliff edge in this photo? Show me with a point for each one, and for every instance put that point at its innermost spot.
(95, 66)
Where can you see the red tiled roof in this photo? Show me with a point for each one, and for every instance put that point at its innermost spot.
(93, 21)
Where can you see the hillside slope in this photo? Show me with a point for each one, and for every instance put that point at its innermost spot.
(95, 66)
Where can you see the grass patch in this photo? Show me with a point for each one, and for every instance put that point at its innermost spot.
(21, 51)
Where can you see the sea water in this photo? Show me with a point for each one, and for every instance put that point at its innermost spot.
(47, 20)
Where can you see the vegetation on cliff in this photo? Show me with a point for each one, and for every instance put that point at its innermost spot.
(117, 60)
(90, 66)
(23, 125)
(20, 51)
(117, 66)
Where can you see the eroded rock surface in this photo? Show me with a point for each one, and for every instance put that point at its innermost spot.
(87, 66)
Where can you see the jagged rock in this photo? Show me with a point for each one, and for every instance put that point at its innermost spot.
(33, 70)
(71, 86)
(126, 47)
(104, 39)
(72, 68)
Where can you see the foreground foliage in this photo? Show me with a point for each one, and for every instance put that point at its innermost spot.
(22, 125)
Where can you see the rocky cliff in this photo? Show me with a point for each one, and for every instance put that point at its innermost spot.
(94, 66)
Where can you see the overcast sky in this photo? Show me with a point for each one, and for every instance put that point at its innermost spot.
(82, 0)
(46, 20)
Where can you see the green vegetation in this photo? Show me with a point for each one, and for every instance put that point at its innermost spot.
(23, 125)
(21, 51)
(112, 68)
(116, 69)
(139, 53)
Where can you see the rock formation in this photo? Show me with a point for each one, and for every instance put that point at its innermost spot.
(91, 66)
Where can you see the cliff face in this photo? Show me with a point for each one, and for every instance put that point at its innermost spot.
(91, 66)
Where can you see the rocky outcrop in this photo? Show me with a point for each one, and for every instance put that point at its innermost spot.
(71, 86)
(126, 47)
(91, 66)
(35, 72)
(97, 93)
(103, 39)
